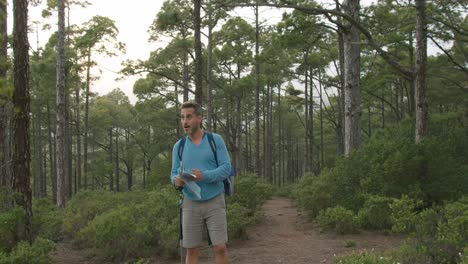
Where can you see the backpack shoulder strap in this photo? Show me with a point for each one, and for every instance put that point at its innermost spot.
(181, 147)
(213, 146)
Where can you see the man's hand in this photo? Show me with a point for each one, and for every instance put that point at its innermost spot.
(198, 174)
(178, 181)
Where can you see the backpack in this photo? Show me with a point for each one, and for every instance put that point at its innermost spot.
(229, 182)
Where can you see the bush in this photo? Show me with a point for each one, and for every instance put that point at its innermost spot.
(86, 205)
(250, 192)
(238, 220)
(363, 258)
(47, 220)
(11, 226)
(375, 214)
(403, 214)
(338, 219)
(24, 253)
(148, 222)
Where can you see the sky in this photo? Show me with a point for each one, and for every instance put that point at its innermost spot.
(133, 20)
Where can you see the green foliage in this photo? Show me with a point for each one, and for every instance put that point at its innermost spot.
(315, 194)
(238, 220)
(464, 256)
(403, 212)
(250, 192)
(375, 213)
(11, 225)
(47, 220)
(438, 235)
(126, 225)
(24, 253)
(338, 219)
(363, 258)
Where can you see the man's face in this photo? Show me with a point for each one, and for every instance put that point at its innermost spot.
(190, 121)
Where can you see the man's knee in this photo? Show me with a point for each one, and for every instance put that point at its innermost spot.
(220, 249)
(193, 252)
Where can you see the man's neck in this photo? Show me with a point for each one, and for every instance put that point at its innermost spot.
(196, 136)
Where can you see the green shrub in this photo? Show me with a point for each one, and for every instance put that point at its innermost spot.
(238, 220)
(375, 214)
(464, 256)
(86, 205)
(250, 192)
(403, 214)
(47, 219)
(24, 253)
(363, 258)
(148, 222)
(11, 226)
(338, 219)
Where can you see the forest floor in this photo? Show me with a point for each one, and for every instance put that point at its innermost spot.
(283, 236)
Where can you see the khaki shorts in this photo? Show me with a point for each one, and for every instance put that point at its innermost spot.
(195, 215)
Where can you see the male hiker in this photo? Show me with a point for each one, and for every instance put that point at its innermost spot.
(208, 172)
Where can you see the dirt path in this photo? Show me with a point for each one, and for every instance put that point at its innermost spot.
(284, 236)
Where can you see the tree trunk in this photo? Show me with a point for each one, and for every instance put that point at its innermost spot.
(352, 91)
(306, 167)
(52, 160)
(257, 95)
(321, 124)
(5, 178)
(340, 129)
(209, 92)
(86, 118)
(61, 148)
(111, 160)
(78, 138)
(198, 53)
(117, 164)
(21, 102)
(420, 67)
(37, 163)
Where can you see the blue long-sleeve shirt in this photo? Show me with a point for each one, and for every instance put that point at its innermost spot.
(201, 157)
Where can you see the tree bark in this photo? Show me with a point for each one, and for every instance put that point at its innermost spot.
(198, 53)
(352, 91)
(52, 160)
(78, 138)
(61, 149)
(21, 103)
(420, 67)
(5, 177)
(258, 163)
(86, 118)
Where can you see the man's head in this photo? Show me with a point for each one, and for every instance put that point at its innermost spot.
(191, 117)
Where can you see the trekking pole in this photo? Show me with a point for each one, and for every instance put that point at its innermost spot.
(181, 248)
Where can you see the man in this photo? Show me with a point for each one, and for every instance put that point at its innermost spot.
(210, 209)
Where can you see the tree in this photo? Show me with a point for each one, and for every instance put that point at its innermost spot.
(21, 103)
(5, 99)
(198, 52)
(98, 30)
(63, 176)
(420, 69)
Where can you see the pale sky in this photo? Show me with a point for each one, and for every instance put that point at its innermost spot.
(133, 20)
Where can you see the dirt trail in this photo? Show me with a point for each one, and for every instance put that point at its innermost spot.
(283, 236)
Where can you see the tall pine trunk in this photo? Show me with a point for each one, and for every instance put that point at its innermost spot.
(61, 148)
(352, 90)
(86, 119)
(420, 83)
(5, 177)
(198, 53)
(21, 103)
(258, 163)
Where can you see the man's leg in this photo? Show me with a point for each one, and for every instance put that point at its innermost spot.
(221, 255)
(217, 228)
(192, 228)
(192, 256)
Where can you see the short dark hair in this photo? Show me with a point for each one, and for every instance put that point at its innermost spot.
(192, 104)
